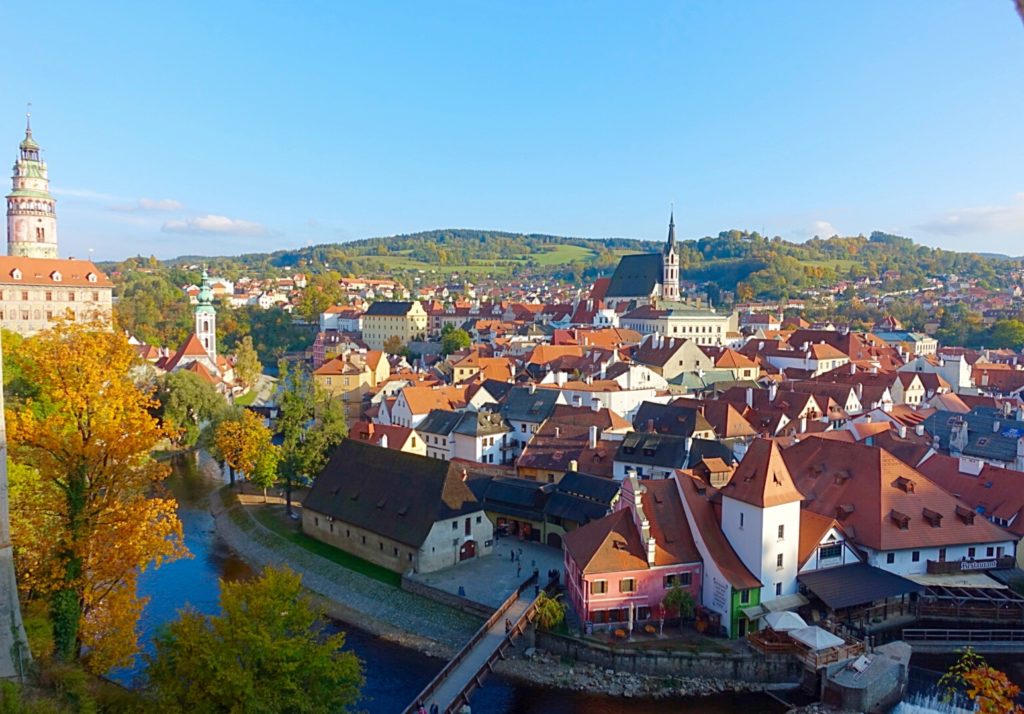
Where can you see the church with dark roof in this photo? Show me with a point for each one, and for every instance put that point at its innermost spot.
(647, 278)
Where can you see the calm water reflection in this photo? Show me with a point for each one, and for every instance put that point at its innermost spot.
(394, 675)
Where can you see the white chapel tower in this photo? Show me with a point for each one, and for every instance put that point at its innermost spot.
(206, 319)
(670, 266)
(31, 210)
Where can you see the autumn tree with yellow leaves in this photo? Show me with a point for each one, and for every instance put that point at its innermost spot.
(88, 513)
(244, 443)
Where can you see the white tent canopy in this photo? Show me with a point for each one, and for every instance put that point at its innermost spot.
(784, 621)
(815, 638)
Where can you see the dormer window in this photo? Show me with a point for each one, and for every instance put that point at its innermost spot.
(904, 484)
(901, 520)
(91, 277)
(56, 276)
(16, 274)
(934, 518)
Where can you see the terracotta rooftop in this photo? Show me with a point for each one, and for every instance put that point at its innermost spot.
(762, 478)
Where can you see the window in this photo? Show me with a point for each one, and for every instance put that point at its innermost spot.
(479, 519)
(49, 295)
(24, 294)
(778, 588)
(680, 579)
(381, 544)
(890, 558)
(942, 555)
(95, 296)
(989, 552)
(970, 552)
(455, 525)
(778, 561)
(741, 520)
(71, 297)
(782, 532)
(598, 587)
(364, 540)
(316, 521)
(627, 585)
(396, 552)
(832, 550)
(744, 597)
(916, 556)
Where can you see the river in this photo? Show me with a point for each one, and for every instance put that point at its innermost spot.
(394, 675)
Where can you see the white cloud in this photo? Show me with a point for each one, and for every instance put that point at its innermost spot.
(163, 205)
(823, 229)
(986, 221)
(221, 225)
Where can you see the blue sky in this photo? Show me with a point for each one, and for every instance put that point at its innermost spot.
(219, 128)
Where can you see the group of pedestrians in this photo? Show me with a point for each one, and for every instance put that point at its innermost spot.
(423, 710)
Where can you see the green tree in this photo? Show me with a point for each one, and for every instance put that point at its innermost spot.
(268, 651)
(322, 291)
(680, 602)
(264, 472)
(311, 424)
(187, 401)
(247, 362)
(394, 345)
(550, 611)
(454, 339)
(1006, 333)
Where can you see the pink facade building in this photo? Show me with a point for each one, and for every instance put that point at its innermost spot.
(618, 568)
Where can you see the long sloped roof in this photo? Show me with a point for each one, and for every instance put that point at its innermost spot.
(636, 275)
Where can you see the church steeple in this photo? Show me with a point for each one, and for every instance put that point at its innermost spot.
(206, 319)
(31, 209)
(670, 264)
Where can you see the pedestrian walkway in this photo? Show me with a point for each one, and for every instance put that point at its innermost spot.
(451, 687)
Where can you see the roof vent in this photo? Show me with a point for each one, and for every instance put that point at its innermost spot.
(902, 520)
(934, 518)
(965, 514)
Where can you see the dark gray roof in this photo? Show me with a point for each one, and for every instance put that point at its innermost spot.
(398, 495)
(676, 420)
(481, 424)
(636, 275)
(653, 449)
(702, 449)
(592, 488)
(515, 497)
(439, 421)
(983, 440)
(520, 405)
(389, 308)
(855, 584)
(496, 388)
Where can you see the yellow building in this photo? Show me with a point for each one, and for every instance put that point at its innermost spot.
(384, 320)
(351, 375)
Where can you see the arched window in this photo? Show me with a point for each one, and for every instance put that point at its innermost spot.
(206, 325)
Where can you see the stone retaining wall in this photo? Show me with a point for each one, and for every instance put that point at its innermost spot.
(476, 609)
(746, 667)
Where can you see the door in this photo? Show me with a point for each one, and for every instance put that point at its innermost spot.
(554, 540)
(468, 550)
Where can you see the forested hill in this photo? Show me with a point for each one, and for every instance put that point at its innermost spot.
(753, 265)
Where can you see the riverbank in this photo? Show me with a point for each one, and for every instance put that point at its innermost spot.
(432, 628)
(347, 596)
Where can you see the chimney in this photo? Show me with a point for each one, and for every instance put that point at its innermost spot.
(901, 429)
(651, 551)
(532, 388)
(919, 429)
(803, 425)
(750, 397)
(383, 441)
(558, 431)
(592, 442)
(650, 425)
(853, 368)
(560, 378)
(574, 465)
(689, 445)
(860, 391)
(773, 391)
(995, 426)
(595, 404)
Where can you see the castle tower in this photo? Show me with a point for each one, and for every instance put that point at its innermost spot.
(670, 266)
(31, 210)
(206, 319)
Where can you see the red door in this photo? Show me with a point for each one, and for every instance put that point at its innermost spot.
(468, 550)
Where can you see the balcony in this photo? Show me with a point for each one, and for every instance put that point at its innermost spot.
(950, 567)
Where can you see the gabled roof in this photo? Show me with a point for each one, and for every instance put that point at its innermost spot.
(681, 418)
(672, 536)
(191, 347)
(388, 309)
(636, 276)
(880, 501)
(393, 493)
(707, 528)
(762, 478)
(440, 422)
(610, 544)
(523, 405)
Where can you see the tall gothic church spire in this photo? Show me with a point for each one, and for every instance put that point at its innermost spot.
(206, 319)
(31, 209)
(670, 264)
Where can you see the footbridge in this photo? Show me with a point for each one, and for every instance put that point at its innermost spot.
(940, 641)
(451, 688)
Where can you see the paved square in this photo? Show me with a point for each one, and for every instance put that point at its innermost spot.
(491, 579)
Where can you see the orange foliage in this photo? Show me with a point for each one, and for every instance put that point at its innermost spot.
(87, 512)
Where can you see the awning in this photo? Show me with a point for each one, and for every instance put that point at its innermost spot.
(856, 584)
(779, 604)
(816, 638)
(784, 621)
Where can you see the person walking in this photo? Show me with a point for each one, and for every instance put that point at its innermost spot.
(434, 708)
(508, 625)
(519, 570)
(421, 709)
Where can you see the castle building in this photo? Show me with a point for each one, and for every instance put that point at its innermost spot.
(36, 286)
(647, 278)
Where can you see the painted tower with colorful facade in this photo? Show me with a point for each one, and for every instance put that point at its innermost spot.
(31, 209)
